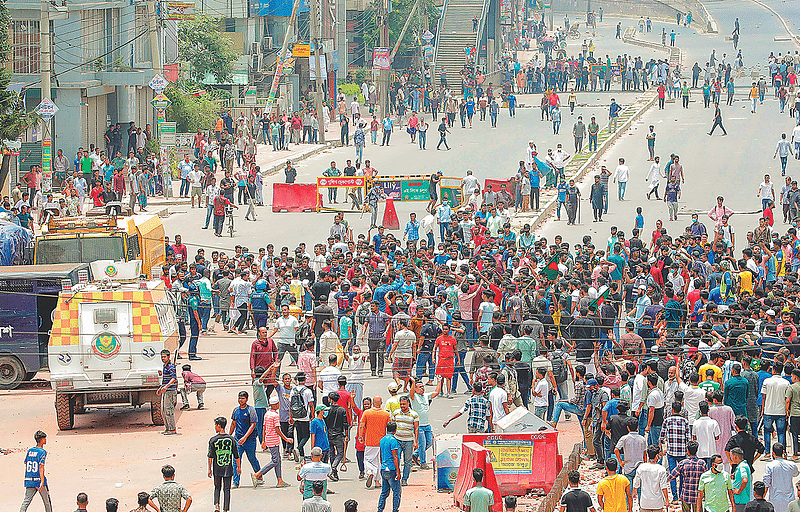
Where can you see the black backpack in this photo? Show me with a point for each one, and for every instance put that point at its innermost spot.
(559, 366)
(297, 404)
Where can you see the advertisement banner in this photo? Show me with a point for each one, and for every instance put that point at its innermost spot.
(180, 10)
(380, 58)
(47, 170)
(390, 188)
(340, 181)
(414, 190)
(301, 50)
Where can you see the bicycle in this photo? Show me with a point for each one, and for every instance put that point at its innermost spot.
(229, 216)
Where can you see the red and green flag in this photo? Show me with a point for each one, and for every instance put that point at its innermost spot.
(550, 271)
(602, 296)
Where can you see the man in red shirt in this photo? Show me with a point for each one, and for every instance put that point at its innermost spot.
(220, 202)
(662, 94)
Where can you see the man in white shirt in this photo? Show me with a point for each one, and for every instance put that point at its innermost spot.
(355, 109)
(774, 399)
(796, 141)
(766, 191)
(498, 397)
(706, 431)
(97, 160)
(328, 380)
(284, 332)
(654, 177)
(560, 158)
(621, 174)
(692, 396)
(651, 480)
(469, 184)
(196, 180)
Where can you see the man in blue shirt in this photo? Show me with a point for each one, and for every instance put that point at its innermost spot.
(243, 429)
(613, 115)
(412, 229)
(562, 196)
(390, 461)
(35, 481)
(169, 393)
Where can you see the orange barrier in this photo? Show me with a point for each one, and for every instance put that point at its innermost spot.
(294, 197)
(390, 220)
(474, 456)
(521, 460)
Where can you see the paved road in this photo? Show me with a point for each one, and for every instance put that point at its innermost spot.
(121, 447)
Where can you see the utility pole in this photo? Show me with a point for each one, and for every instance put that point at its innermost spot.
(383, 74)
(155, 52)
(317, 41)
(44, 51)
(282, 56)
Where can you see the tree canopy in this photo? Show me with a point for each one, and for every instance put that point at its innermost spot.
(204, 46)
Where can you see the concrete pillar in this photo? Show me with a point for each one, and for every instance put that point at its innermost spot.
(67, 133)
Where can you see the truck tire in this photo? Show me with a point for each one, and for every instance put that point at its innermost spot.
(155, 413)
(65, 411)
(12, 372)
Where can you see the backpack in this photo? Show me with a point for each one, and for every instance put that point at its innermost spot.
(559, 366)
(297, 404)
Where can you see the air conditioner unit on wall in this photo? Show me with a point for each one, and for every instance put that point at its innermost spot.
(255, 48)
(266, 44)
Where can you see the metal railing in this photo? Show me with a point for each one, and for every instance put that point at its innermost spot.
(479, 33)
(439, 27)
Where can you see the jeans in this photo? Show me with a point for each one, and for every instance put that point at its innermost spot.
(374, 136)
(425, 441)
(283, 348)
(423, 359)
(249, 449)
(459, 370)
(359, 152)
(376, 352)
(783, 164)
(337, 453)
(194, 330)
(494, 120)
(774, 423)
(389, 483)
(655, 434)
(386, 136)
(205, 313)
(442, 140)
(184, 186)
(605, 200)
(421, 138)
(540, 411)
(621, 187)
(209, 213)
(303, 435)
(406, 450)
(642, 421)
(673, 462)
(568, 408)
(612, 123)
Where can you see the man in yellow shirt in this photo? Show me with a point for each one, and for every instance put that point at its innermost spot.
(715, 363)
(753, 97)
(614, 491)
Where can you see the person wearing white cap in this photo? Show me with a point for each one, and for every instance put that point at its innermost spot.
(272, 442)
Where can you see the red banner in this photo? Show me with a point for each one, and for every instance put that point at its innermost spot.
(340, 181)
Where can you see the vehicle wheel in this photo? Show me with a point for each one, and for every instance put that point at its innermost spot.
(155, 413)
(11, 372)
(65, 411)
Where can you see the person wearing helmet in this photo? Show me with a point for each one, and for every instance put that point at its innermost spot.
(193, 307)
(261, 303)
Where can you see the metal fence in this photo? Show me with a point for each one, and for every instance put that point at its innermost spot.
(553, 498)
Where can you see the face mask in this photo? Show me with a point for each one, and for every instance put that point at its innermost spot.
(694, 221)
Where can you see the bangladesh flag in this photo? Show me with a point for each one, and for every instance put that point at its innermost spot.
(602, 296)
(550, 271)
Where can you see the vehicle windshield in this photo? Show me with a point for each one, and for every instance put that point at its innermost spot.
(80, 249)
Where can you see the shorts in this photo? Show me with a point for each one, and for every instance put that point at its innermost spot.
(402, 367)
(197, 191)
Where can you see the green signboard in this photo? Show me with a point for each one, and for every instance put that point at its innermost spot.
(414, 190)
(451, 196)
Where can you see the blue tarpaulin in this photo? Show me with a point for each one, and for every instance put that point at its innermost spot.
(13, 241)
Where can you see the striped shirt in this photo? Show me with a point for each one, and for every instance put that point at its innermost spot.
(169, 375)
(405, 424)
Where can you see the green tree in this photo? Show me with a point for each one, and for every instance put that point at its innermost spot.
(395, 21)
(205, 48)
(14, 120)
(191, 111)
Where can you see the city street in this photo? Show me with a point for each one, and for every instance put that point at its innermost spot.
(119, 453)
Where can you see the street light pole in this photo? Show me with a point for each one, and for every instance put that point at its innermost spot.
(315, 38)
